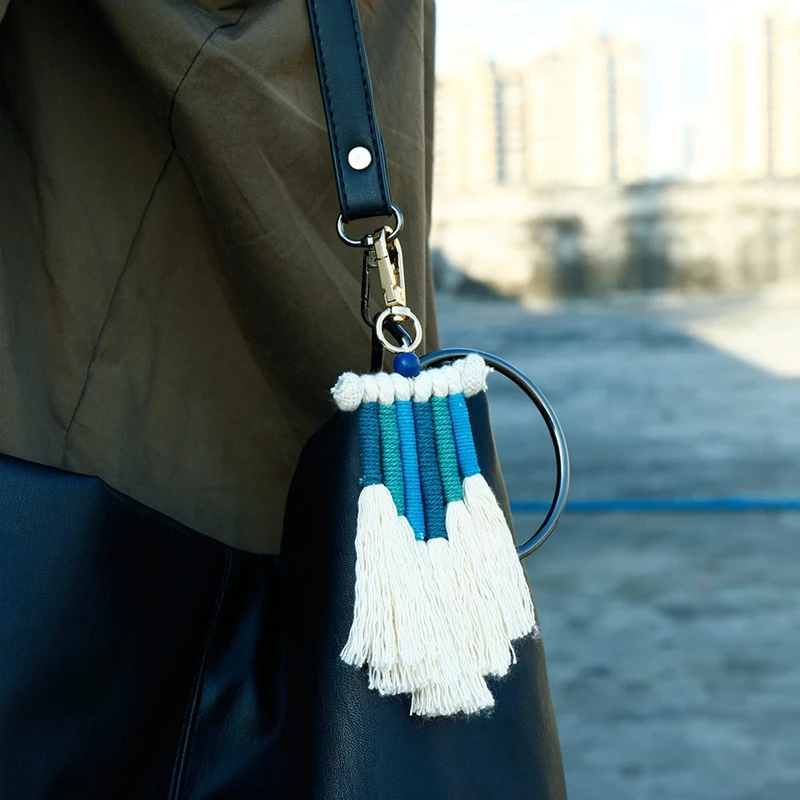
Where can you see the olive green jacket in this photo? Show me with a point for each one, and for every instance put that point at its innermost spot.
(174, 300)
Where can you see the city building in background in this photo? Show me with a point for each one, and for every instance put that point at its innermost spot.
(573, 115)
(548, 180)
(755, 90)
(585, 111)
(466, 156)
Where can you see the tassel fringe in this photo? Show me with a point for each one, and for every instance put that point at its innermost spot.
(440, 594)
(495, 548)
(373, 639)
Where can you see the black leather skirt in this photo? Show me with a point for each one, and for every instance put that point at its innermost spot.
(141, 659)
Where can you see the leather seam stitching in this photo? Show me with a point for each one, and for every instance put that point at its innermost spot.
(369, 104)
(324, 73)
(179, 770)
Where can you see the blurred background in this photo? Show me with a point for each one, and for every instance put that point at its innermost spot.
(617, 211)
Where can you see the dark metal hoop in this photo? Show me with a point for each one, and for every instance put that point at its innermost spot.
(553, 426)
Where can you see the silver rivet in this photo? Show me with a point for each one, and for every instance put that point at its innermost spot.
(359, 158)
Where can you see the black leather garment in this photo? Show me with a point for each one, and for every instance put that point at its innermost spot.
(143, 660)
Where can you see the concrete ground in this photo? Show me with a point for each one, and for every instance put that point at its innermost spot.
(673, 639)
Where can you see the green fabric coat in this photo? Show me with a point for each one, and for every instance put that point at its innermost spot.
(174, 300)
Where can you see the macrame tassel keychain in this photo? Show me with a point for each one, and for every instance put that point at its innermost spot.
(440, 593)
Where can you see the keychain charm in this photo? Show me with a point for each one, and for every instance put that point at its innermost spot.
(440, 593)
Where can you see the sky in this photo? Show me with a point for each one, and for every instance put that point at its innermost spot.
(674, 34)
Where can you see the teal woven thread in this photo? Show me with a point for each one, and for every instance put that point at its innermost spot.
(390, 455)
(432, 493)
(462, 430)
(369, 444)
(411, 478)
(446, 450)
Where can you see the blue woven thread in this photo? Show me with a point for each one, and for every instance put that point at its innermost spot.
(369, 444)
(415, 511)
(429, 472)
(390, 454)
(462, 430)
(446, 450)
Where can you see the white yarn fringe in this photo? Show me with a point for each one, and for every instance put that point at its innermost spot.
(372, 636)
(469, 694)
(398, 627)
(475, 593)
(462, 635)
(493, 546)
(469, 647)
(414, 634)
(418, 627)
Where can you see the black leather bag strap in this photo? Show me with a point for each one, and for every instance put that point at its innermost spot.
(359, 160)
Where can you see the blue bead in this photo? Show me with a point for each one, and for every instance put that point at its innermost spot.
(407, 365)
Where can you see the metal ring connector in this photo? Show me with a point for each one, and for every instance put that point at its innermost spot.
(393, 234)
(398, 314)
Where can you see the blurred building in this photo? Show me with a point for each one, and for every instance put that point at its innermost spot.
(585, 105)
(511, 116)
(466, 129)
(755, 90)
(571, 116)
(542, 184)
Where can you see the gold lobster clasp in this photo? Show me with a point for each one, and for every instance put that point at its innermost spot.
(389, 261)
(383, 252)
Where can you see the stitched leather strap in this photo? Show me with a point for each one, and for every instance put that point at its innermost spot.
(349, 109)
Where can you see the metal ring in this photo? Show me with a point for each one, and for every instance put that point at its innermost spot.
(393, 234)
(405, 313)
(553, 426)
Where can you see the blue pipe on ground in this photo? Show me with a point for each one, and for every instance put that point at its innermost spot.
(634, 505)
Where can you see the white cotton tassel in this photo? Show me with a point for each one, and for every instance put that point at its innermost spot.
(418, 629)
(494, 652)
(444, 664)
(476, 635)
(494, 543)
(496, 548)
(372, 639)
(440, 663)
(460, 687)
(417, 634)
(469, 694)
(372, 636)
